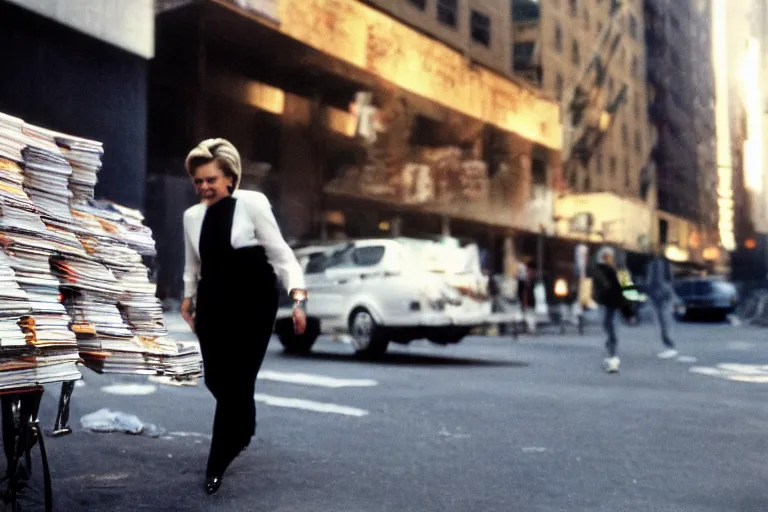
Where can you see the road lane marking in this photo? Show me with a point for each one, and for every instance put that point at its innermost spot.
(309, 405)
(129, 389)
(686, 359)
(315, 380)
(737, 372)
(189, 434)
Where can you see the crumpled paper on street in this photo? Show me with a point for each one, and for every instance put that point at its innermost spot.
(105, 420)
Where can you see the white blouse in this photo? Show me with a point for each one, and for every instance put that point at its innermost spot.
(253, 224)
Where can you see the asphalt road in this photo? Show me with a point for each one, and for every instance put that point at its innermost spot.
(486, 425)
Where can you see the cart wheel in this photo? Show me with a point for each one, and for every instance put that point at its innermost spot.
(27, 481)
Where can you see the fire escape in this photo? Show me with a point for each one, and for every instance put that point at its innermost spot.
(588, 111)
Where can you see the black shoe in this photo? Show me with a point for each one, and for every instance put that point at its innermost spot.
(212, 484)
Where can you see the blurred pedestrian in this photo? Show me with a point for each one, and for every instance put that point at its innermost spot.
(234, 254)
(658, 281)
(608, 293)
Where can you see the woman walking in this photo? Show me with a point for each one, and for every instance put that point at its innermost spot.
(234, 254)
(608, 293)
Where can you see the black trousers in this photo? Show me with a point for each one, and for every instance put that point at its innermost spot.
(233, 343)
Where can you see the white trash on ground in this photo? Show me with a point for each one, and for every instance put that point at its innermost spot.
(105, 420)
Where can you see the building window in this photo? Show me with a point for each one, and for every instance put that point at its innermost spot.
(447, 12)
(419, 4)
(558, 39)
(612, 167)
(574, 8)
(575, 53)
(632, 26)
(638, 143)
(586, 19)
(522, 53)
(635, 65)
(663, 231)
(624, 134)
(627, 173)
(599, 27)
(599, 164)
(539, 159)
(559, 86)
(480, 28)
(637, 104)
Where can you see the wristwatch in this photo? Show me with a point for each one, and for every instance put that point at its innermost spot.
(299, 297)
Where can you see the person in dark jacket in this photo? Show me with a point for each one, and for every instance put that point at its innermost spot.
(608, 293)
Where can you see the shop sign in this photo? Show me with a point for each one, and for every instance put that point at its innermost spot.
(582, 223)
(367, 117)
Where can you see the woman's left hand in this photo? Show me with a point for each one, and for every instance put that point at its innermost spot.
(299, 320)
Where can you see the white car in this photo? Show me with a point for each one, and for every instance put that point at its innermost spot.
(389, 290)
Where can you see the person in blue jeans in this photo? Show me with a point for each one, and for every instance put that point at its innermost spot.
(658, 281)
(608, 293)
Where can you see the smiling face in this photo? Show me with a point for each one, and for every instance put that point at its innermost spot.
(211, 182)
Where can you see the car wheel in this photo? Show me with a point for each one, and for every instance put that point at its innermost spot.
(367, 337)
(297, 343)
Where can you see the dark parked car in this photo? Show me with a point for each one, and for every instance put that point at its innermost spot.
(708, 295)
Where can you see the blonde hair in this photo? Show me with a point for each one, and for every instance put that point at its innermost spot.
(605, 251)
(220, 150)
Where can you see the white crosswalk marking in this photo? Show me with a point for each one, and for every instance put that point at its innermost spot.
(309, 405)
(751, 373)
(315, 380)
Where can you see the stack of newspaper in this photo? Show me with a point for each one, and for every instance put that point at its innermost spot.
(103, 230)
(88, 288)
(116, 238)
(73, 283)
(41, 348)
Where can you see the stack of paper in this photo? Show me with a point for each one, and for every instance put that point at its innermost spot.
(89, 290)
(41, 348)
(116, 237)
(103, 232)
(84, 156)
(73, 283)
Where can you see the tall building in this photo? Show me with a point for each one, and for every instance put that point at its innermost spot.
(553, 43)
(742, 72)
(681, 78)
(357, 118)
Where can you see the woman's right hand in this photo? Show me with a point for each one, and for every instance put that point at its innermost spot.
(187, 314)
